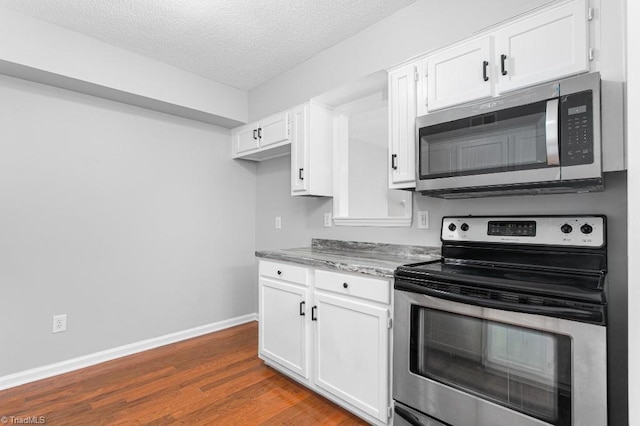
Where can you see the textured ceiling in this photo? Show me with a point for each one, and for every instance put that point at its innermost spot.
(239, 43)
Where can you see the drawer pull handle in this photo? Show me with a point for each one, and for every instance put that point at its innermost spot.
(279, 272)
(302, 308)
(314, 317)
(345, 285)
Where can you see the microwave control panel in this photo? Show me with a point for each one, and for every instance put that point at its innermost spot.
(576, 133)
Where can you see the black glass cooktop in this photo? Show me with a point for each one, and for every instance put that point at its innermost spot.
(571, 284)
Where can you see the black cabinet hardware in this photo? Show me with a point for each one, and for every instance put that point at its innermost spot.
(260, 132)
(394, 158)
(279, 272)
(254, 133)
(345, 285)
(502, 64)
(485, 64)
(300, 175)
(314, 317)
(302, 308)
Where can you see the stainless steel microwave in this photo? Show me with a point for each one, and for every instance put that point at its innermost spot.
(543, 139)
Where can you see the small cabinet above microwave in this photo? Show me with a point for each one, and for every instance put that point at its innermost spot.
(548, 45)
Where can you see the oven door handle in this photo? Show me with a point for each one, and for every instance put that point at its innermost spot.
(561, 312)
(408, 416)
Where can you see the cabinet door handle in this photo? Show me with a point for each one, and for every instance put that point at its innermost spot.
(279, 272)
(301, 174)
(394, 158)
(314, 317)
(485, 64)
(254, 133)
(259, 132)
(503, 68)
(345, 285)
(302, 308)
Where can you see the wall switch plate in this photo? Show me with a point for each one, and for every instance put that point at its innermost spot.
(278, 222)
(59, 323)
(327, 220)
(423, 220)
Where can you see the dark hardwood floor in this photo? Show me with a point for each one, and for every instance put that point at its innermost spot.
(216, 379)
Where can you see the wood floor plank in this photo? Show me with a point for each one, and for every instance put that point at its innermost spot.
(212, 379)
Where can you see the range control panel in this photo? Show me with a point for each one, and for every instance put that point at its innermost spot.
(581, 231)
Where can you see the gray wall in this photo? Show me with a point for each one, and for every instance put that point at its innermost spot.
(135, 224)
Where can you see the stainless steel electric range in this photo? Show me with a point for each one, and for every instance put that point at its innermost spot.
(509, 328)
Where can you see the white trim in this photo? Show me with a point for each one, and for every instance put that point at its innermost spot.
(73, 364)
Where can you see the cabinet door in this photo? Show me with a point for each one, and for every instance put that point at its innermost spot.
(274, 129)
(299, 124)
(547, 46)
(352, 352)
(402, 127)
(460, 74)
(245, 138)
(283, 336)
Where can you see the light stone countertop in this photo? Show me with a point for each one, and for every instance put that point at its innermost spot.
(375, 259)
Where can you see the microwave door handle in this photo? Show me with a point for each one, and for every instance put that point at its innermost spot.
(551, 130)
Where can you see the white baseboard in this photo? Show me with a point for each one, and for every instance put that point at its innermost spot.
(73, 364)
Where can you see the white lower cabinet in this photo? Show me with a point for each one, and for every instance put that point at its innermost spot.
(284, 335)
(351, 356)
(330, 331)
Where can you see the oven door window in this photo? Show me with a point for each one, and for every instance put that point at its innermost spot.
(523, 369)
(502, 141)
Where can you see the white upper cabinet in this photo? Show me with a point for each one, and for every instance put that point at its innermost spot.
(273, 129)
(460, 74)
(402, 126)
(299, 125)
(245, 138)
(311, 150)
(267, 138)
(546, 46)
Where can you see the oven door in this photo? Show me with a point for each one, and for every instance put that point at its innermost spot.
(471, 365)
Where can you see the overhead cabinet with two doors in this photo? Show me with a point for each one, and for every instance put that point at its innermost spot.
(252, 140)
(542, 46)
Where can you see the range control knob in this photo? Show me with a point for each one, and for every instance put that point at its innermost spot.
(452, 227)
(566, 228)
(586, 229)
(464, 227)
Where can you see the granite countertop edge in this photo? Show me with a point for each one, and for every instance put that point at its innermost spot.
(374, 260)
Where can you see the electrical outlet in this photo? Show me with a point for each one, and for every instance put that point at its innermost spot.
(59, 323)
(423, 220)
(278, 222)
(327, 220)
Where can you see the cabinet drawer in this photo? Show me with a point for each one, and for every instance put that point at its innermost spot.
(354, 285)
(285, 272)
